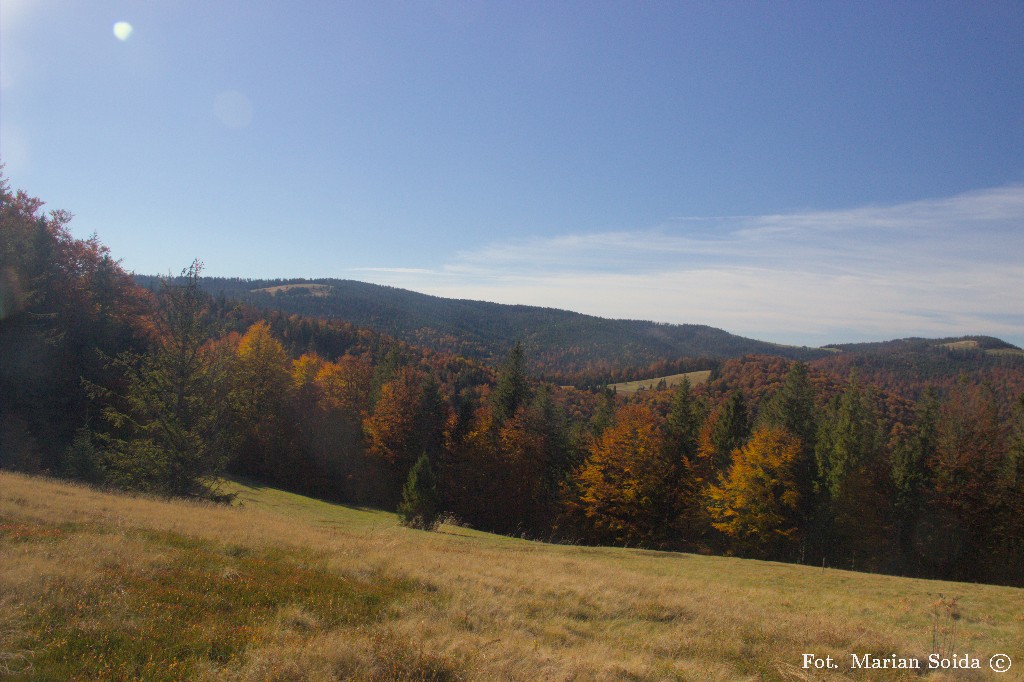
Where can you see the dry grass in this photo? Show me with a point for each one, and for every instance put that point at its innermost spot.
(966, 344)
(313, 289)
(630, 387)
(98, 586)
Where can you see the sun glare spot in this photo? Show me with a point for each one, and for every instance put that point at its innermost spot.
(123, 30)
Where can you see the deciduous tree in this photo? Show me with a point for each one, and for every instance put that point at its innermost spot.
(757, 504)
(623, 484)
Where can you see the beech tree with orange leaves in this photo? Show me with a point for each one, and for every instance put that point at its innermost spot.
(408, 420)
(623, 486)
(757, 504)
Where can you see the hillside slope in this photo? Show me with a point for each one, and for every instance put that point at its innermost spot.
(485, 331)
(99, 586)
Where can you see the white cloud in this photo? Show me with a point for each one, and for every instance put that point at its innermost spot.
(934, 268)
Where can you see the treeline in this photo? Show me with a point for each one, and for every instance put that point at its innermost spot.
(822, 472)
(165, 390)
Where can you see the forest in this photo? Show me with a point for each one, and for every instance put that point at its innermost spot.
(561, 346)
(906, 459)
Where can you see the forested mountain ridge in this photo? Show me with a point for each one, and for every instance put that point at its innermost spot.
(555, 340)
(572, 348)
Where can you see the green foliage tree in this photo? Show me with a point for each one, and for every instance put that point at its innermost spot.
(727, 429)
(914, 452)
(682, 443)
(419, 506)
(684, 421)
(792, 407)
(65, 307)
(172, 435)
(604, 414)
(851, 461)
(513, 387)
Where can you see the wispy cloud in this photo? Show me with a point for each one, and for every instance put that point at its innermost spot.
(938, 267)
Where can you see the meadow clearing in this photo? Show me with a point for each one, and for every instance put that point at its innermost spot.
(100, 586)
(630, 387)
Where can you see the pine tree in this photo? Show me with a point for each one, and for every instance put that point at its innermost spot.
(419, 506)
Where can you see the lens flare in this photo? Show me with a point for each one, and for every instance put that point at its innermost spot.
(123, 30)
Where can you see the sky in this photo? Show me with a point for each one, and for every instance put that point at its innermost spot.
(798, 172)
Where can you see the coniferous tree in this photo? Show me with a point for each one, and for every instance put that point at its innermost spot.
(604, 415)
(173, 434)
(913, 453)
(512, 389)
(792, 408)
(682, 443)
(419, 506)
(850, 466)
(684, 421)
(727, 429)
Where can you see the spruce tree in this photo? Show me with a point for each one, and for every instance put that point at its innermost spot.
(684, 422)
(512, 389)
(419, 507)
(792, 408)
(730, 430)
(173, 433)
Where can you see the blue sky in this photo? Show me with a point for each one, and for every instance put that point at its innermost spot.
(802, 172)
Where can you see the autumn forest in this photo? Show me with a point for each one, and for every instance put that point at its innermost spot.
(904, 458)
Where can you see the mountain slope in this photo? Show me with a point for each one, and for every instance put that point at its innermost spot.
(103, 587)
(559, 339)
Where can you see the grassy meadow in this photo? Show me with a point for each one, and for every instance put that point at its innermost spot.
(320, 290)
(97, 586)
(629, 387)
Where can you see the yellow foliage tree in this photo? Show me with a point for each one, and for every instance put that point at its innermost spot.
(261, 391)
(757, 503)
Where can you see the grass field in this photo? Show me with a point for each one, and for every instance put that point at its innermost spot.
(95, 586)
(313, 289)
(971, 344)
(671, 381)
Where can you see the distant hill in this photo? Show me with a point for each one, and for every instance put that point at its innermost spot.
(553, 339)
(906, 366)
(987, 344)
